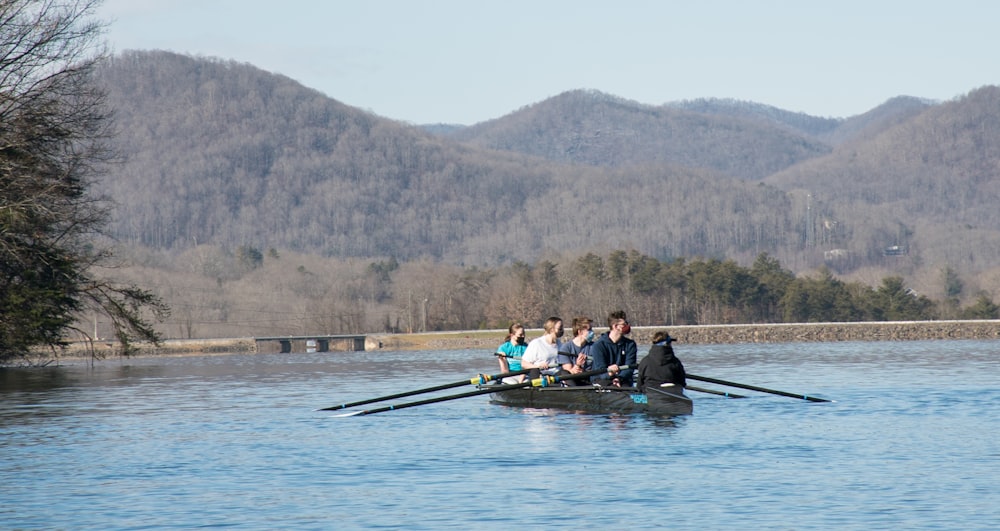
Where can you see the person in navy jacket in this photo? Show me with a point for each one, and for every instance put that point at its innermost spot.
(613, 350)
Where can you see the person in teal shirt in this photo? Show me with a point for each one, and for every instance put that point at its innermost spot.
(511, 352)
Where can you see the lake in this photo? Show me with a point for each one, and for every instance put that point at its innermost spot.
(235, 441)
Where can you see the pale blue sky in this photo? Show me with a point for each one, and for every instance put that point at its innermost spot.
(466, 61)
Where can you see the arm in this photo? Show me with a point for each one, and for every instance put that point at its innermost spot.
(532, 358)
(566, 359)
(504, 366)
(631, 357)
(504, 354)
(599, 354)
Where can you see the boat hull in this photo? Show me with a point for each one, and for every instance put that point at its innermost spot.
(597, 399)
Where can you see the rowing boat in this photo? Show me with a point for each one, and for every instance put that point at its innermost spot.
(655, 401)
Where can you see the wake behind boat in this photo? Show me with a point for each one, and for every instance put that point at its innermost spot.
(597, 399)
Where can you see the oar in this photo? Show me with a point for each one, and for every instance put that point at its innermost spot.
(478, 380)
(754, 388)
(544, 381)
(713, 392)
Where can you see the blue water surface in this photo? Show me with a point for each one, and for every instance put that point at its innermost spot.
(235, 441)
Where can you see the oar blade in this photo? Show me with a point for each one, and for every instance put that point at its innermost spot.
(478, 380)
(348, 414)
(755, 388)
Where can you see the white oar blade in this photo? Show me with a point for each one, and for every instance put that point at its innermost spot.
(348, 414)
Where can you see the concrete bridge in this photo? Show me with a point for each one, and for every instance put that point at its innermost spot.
(311, 343)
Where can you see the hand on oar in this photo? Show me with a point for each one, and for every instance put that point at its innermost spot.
(754, 388)
(544, 381)
(478, 380)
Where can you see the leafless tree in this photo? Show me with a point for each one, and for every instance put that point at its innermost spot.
(54, 133)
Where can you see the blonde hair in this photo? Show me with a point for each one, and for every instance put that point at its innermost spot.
(550, 324)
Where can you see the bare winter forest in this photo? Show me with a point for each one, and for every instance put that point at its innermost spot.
(257, 206)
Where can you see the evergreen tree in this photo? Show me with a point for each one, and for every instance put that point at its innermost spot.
(53, 140)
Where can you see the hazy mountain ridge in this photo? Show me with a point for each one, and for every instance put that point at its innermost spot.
(224, 153)
(802, 122)
(833, 131)
(589, 127)
(936, 176)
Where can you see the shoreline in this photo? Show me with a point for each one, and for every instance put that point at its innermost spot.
(686, 334)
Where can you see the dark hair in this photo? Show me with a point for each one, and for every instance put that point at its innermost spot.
(510, 331)
(661, 335)
(614, 316)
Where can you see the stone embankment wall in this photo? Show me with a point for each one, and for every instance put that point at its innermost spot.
(769, 333)
(789, 333)
(169, 346)
(703, 334)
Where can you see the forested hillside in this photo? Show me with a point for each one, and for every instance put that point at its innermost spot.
(225, 154)
(220, 152)
(928, 186)
(597, 129)
(830, 130)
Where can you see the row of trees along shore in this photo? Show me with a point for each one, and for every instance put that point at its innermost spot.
(653, 292)
(247, 292)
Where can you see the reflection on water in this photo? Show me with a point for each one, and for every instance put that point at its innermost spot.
(236, 441)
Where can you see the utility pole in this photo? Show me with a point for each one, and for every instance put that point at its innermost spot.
(409, 312)
(809, 222)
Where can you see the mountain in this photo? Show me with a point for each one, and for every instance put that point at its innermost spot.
(930, 183)
(812, 126)
(863, 126)
(221, 152)
(224, 153)
(588, 127)
(833, 131)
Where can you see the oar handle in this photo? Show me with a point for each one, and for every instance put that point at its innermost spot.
(482, 378)
(547, 380)
(755, 388)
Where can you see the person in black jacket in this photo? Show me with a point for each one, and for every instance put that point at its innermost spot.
(660, 366)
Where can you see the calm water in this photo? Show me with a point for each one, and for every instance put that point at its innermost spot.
(234, 441)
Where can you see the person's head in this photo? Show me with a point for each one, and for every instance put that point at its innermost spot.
(618, 323)
(581, 325)
(554, 326)
(661, 336)
(515, 334)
